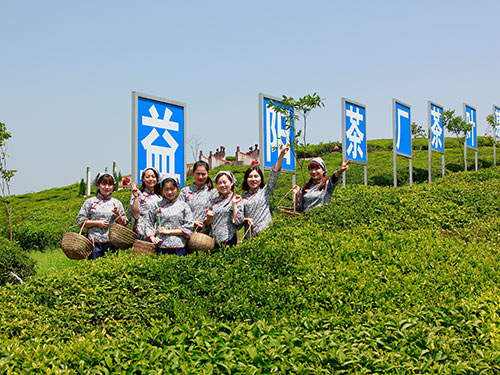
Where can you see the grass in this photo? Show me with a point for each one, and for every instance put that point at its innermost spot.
(51, 261)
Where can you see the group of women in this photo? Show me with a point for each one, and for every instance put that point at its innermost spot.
(167, 215)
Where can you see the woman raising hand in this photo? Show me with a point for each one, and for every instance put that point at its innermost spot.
(319, 189)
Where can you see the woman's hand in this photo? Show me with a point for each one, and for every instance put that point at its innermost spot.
(283, 152)
(103, 224)
(115, 210)
(162, 230)
(236, 199)
(135, 191)
(281, 156)
(296, 189)
(119, 218)
(155, 240)
(344, 167)
(198, 224)
(210, 217)
(249, 222)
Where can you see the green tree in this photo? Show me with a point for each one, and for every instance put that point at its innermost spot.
(293, 110)
(457, 126)
(82, 188)
(417, 131)
(5, 175)
(490, 120)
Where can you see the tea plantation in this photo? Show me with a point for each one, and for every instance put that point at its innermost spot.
(381, 280)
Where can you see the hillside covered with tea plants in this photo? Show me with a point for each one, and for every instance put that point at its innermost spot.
(40, 219)
(381, 280)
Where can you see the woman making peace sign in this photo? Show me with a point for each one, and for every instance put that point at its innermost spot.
(258, 194)
(319, 189)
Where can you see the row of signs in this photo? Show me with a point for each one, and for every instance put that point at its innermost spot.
(159, 133)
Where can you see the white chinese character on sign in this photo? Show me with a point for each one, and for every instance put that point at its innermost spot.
(469, 119)
(400, 114)
(162, 158)
(497, 124)
(436, 128)
(275, 134)
(354, 134)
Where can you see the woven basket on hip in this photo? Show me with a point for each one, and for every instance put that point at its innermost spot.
(200, 242)
(143, 247)
(121, 236)
(76, 246)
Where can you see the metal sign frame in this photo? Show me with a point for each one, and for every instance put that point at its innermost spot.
(496, 131)
(158, 120)
(395, 121)
(363, 144)
(266, 150)
(440, 108)
(473, 135)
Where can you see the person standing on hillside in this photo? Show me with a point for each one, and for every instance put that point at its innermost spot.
(145, 197)
(258, 194)
(170, 223)
(225, 213)
(97, 213)
(319, 189)
(199, 194)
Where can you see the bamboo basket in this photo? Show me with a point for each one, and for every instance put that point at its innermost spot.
(143, 247)
(76, 246)
(121, 236)
(290, 211)
(200, 242)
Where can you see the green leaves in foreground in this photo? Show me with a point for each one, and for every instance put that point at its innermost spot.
(379, 281)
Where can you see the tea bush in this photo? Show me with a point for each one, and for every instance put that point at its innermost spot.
(381, 280)
(40, 219)
(15, 260)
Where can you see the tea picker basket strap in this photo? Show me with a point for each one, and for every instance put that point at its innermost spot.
(82, 226)
(285, 197)
(80, 233)
(247, 231)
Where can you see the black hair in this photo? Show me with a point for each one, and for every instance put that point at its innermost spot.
(168, 179)
(244, 185)
(106, 176)
(229, 177)
(204, 164)
(309, 183)
(143, 187)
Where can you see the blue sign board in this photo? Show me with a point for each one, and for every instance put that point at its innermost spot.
(496, 114)
(274, 135)
(470, 118)
(402, 129)
(436, 128)
(354, 131)
(158, 136)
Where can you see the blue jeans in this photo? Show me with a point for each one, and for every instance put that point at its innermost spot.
(181, 251)
(102, 248)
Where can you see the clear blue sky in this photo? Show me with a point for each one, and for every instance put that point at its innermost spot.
(67, 70)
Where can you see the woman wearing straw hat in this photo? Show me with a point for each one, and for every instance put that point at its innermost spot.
(258, 194)
(225, 213)
(199, 194)
(141, 199)
(97, 213)
(319, 189)
(170, 223)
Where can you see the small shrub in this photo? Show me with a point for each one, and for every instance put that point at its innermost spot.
(82, 188)
(14, 259)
